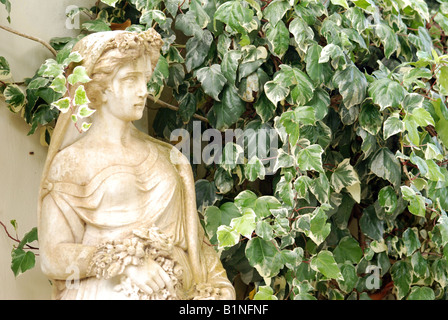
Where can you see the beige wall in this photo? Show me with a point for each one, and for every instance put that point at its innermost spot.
(19, 170)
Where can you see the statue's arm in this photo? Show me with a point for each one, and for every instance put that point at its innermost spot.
(60, 256)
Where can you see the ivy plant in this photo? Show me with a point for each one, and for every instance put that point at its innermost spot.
(355, 204)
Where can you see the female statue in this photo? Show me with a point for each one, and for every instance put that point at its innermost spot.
(117, 208)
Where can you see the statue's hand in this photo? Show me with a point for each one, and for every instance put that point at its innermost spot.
(149, 277)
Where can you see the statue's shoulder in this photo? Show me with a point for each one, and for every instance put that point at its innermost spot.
(72, 164)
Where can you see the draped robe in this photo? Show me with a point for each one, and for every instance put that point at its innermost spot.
(105, 209)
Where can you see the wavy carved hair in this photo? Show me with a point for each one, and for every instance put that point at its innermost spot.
(121, 49)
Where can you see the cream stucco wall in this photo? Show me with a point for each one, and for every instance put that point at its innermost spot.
(21, 156)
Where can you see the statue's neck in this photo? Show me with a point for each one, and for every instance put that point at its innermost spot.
(111, 130)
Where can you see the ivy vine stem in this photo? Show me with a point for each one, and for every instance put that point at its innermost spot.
(45, 44)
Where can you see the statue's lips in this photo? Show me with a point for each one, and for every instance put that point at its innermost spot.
(139, 105)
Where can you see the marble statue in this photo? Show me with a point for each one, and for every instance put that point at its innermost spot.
(117, 216)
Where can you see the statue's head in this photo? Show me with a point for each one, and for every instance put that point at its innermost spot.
(104, 53)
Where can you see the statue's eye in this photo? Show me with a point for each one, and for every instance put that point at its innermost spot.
(130, 78)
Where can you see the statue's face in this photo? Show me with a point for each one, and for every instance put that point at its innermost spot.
(126, 97)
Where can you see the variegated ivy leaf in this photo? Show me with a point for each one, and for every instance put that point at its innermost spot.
(278, 38)
(74, 56)
(254, 169)
(212, 80)
(81, 96)
(110, 2)
(345, 176)
(79, 75)
(59, 84)
(386, 93)
(352, 85)
(85, 126)
(234, 14)
(324, 263)
(84, 111)
(310, 158)
(62, 105)
(5, 71)
(14, 97)
(152, 15)
(50, 69)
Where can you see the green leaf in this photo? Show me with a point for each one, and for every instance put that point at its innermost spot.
(442, 225)
(79, 75)
(310, 158)
(318, 72)
(303, 36)
(227, 237)
(301, 86)
(419, 265)
(254, 169)
(229, 65)
(392, 126)
(81, 96)
(348, 250)
(275, 92)
(96, 26)
(212, 80)
(215, 217)
(388, 38)
(411, 241)
(319, 227)
(265, 293)
(370, 225)
(386, 93)
(14, 97)
(442, 77)
(234, 14)
(265, 108)
(348, 271)
(223, 180)
(84, 111)
(231, 156)
(245, 199)
(74, 56)
(50, 69)
(278, 38)
(370, 118)
(198, 48)
(62, 105)
(264, 256)
(387, 198)
(416, 202)
(59, 85)
(275, 11)
(22, 261)
(5, 71)
(148, 16)
(187, 107)
(206, 194)
(421, 293)
(352, 85)
(245, 224)
(385, 165)
(342, 3)
(110, 2)
(324, 263)
(401, 273)
(344, 176)
(227, 112)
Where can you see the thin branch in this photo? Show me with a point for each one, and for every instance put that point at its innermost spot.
(169, 106)
(16, 240)
(47, 45)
